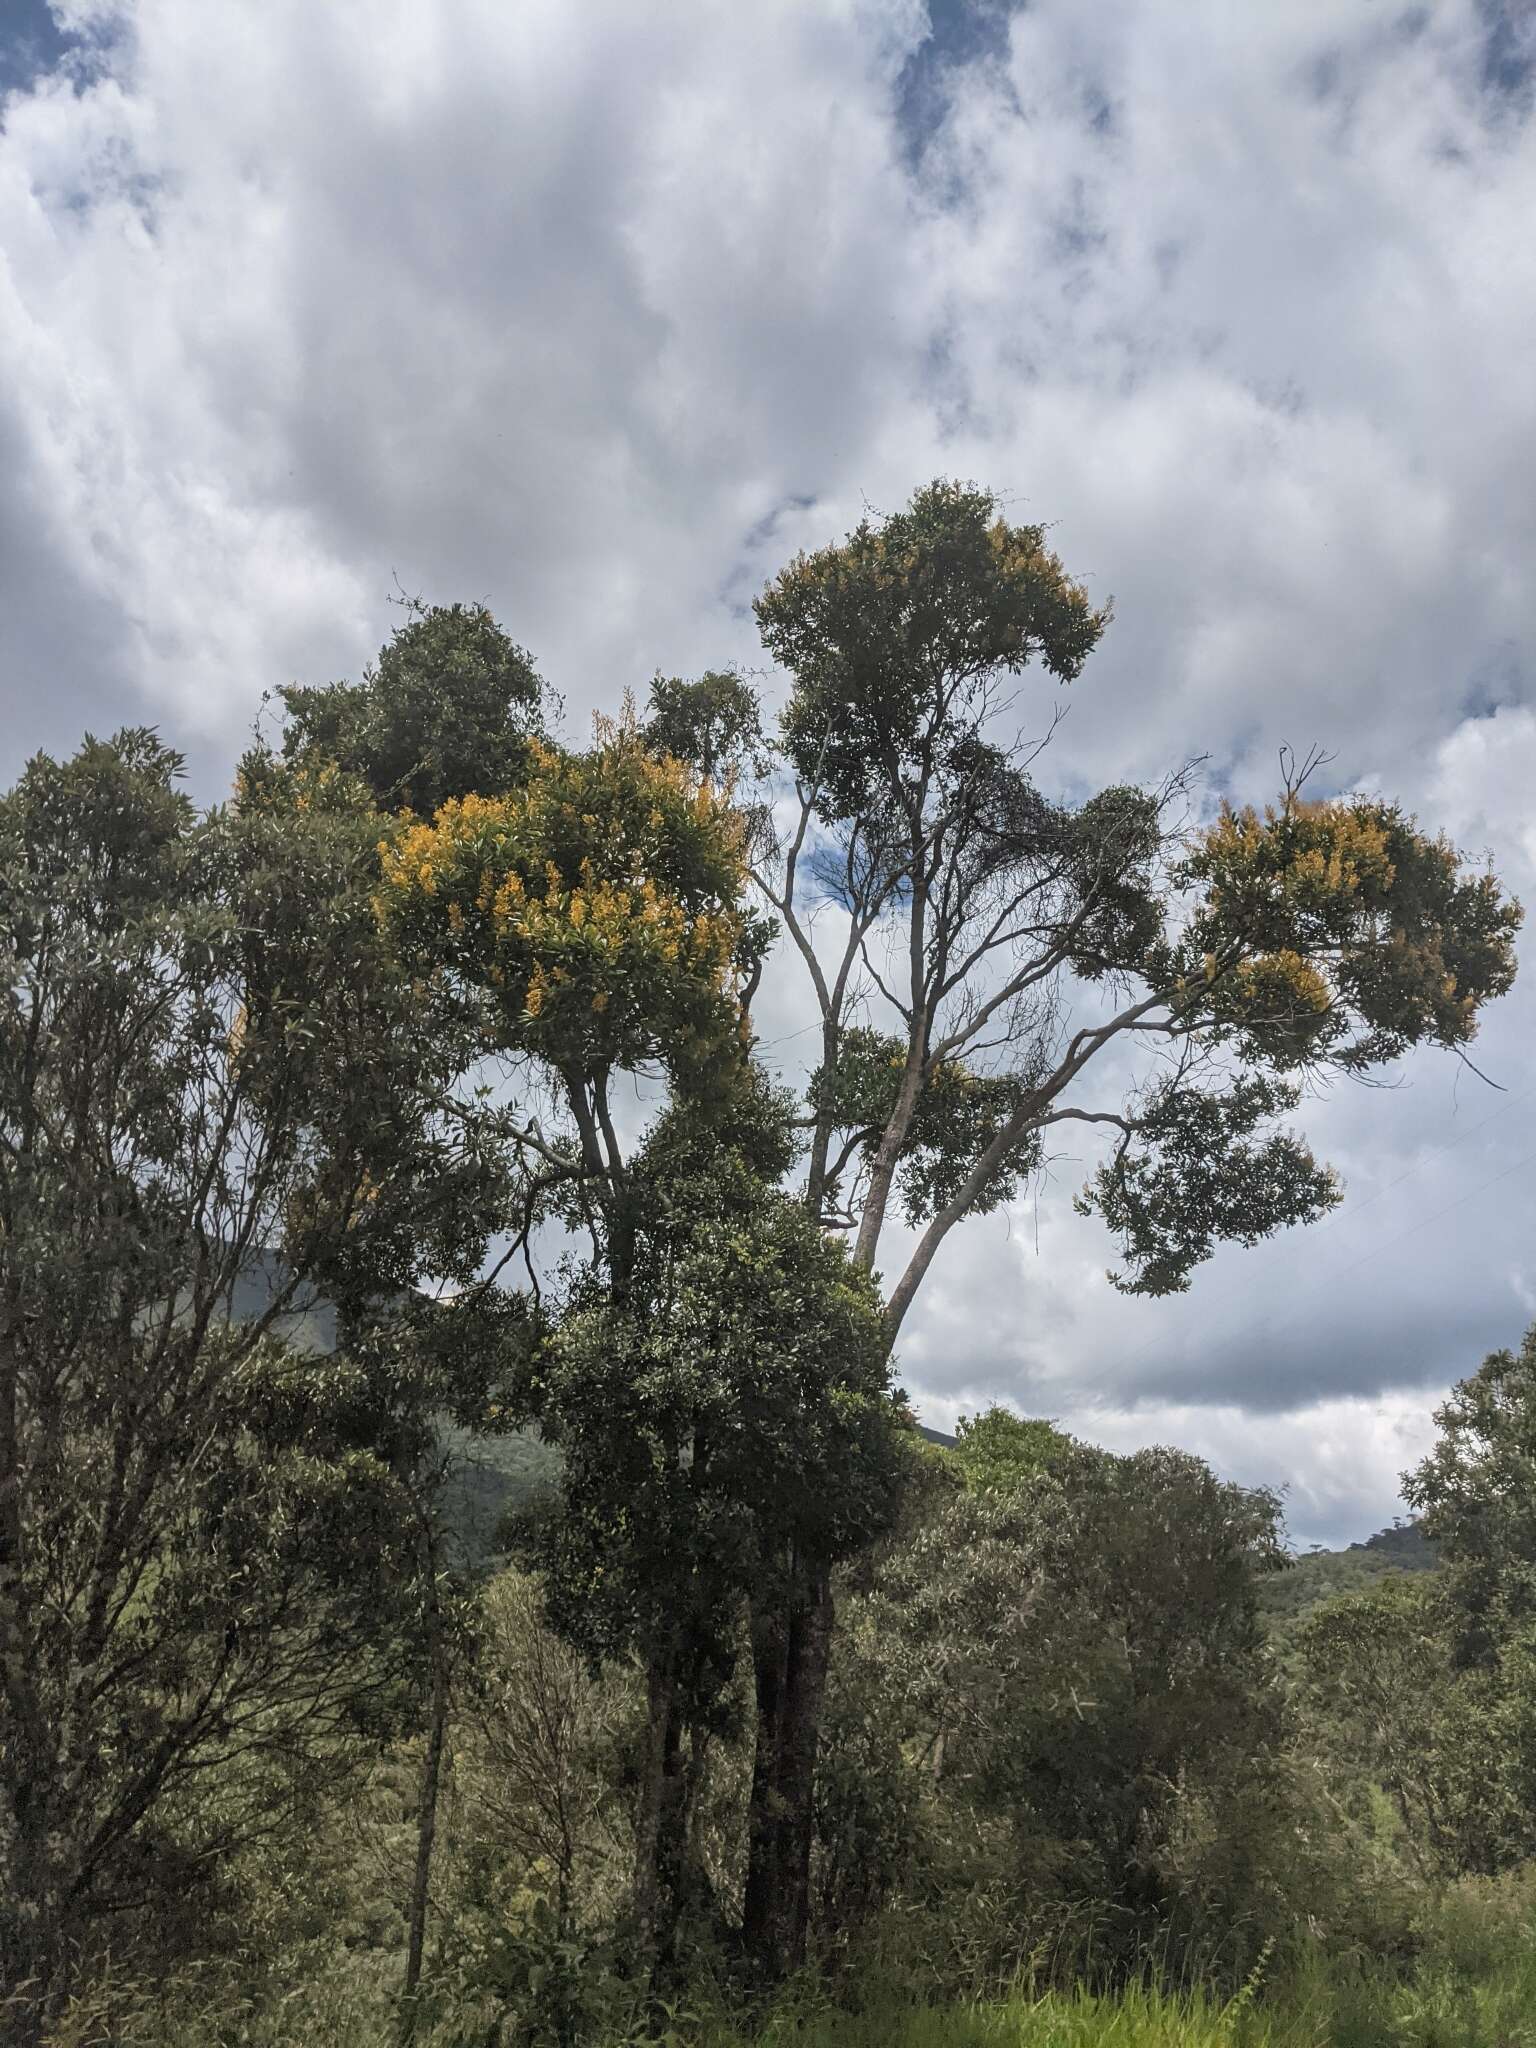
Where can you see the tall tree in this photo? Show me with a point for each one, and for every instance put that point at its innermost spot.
(447, 710)
(997, 960)
(221, 1107)
(1478, 1502)
(1067, 1644)
(595, 914)
(731, 1411)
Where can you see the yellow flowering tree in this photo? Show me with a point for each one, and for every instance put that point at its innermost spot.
(598, 906)
(1340, 931)
(591, 906)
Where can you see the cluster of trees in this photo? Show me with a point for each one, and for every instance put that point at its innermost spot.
(448, 1025)
(1425, 1684)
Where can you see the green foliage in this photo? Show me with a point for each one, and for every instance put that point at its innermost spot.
(712, 724)
(1287, 1596)
(874, 627)
(1197, 1173)
(1472, 1985)
(595, 908)
(1477, 1496)
(1391, 1708)
(1321, 936)
(447, 711)
(1361, 935)
(1074, 1645)
(734, 1399)
(999, 1452)
(206, 1559)
(1056, 1746)
(957, 1115)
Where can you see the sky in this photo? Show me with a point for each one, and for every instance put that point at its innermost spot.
(599, 312)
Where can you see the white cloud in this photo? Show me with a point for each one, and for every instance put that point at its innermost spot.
(1481, 788)
(600, 313)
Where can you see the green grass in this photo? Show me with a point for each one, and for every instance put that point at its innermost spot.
(1363, 2012)
(1471, 1983)
(1360, 2011)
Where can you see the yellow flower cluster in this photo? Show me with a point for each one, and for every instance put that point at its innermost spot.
(1335, 848)
(493, 867)
(1283, 979)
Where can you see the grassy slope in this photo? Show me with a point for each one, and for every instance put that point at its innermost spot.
(1474, 1988)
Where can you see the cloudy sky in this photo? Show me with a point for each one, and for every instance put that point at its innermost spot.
(600, 309)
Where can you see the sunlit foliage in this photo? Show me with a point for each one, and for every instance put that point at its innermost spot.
(597, 905)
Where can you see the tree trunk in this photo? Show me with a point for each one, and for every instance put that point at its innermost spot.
(32, 1948)
(791, 1648)
(426, 1821)
(431, 1788)
(882, 1172)
(671, 1846)
(37, 1950)
(431, 1766)
(661, 1822)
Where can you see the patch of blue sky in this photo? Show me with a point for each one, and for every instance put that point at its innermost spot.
(960, 33)
(740, 585)
(31, 44)
(1509, 49)
(1498, 683)
(35, 46)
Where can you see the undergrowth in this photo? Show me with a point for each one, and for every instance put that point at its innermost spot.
(1467, 1979)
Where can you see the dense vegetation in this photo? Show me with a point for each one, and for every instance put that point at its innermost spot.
(467, 1568)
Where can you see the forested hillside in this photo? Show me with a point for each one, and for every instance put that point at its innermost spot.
(1317, 1575)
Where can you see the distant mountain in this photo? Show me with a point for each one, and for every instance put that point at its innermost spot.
(1404, 1547)
(1318, 1575)
(491, 1477)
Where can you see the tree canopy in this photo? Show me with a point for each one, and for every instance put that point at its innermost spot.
(1232, 961)
(444, 1032)
(220, 1105)
(448, 708)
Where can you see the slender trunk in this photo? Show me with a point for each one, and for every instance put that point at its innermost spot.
(770, 1661)
(431, 1785)
(882, 1174)
(34, 1948)
(821, 1136)
(663, 1823)
(431, 1782)
(791, 1648)
(810, 1655)
(671, 1845)
(654, 1820)
(904, 1293)
(426, 1827)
